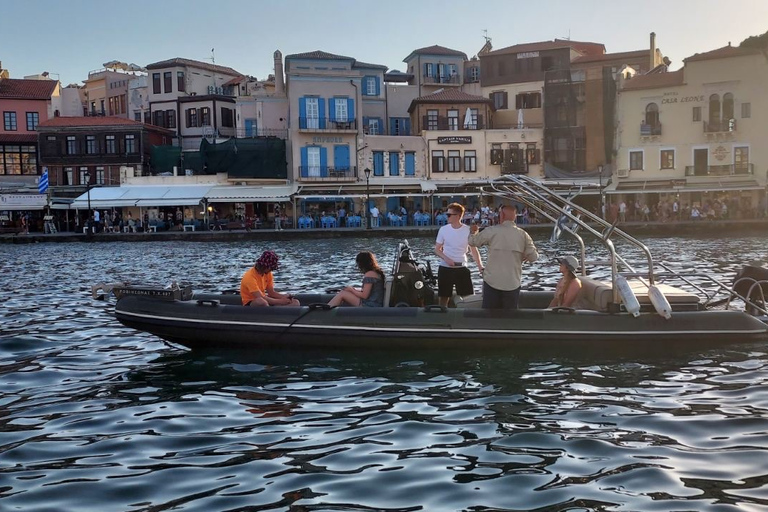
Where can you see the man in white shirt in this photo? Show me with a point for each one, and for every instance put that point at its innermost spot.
(374, 216)
(451, 246)
(623, 211)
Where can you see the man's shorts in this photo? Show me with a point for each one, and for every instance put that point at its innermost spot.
(448, 277)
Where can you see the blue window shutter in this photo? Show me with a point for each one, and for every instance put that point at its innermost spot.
(381, 125)
(304, 159)
(410, 164)
(341, 157)
(321, 112)
(302, 113)
(392, 126)
(394, 163)
(323, 162)
(378, 163)
(366, 80)
(378, 85)
(406, 129)
(365, 122)
(332, 109)
(350, 109)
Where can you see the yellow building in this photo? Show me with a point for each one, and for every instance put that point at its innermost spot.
(697, 135)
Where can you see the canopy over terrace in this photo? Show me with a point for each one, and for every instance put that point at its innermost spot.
(674, 186)
(142, 196)
(251, 194)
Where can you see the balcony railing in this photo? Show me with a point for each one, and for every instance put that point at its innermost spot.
(452, 79)
(252, 133)
(726, 125)
(650, 129)
(320, 173)
(720, 170)
(326, 124)
(451, 123)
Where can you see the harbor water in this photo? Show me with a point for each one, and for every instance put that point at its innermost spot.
(95, 416)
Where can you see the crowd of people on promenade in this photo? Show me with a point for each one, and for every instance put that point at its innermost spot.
(672, 210)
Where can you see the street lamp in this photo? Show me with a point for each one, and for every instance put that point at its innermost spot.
(87, 177)
(367, 172)
(600, 173)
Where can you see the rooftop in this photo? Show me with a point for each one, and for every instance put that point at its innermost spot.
(585, 48)
(317, 55)
(84, 122)
(178, 61)
(654, 80)
(436, 50)
(725, 52)
(21, 89)
(620, 56)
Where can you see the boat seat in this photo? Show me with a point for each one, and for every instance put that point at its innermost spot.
(674, 295)
(597, 295)
(529, 299)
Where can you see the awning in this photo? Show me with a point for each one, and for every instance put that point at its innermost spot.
(146, 196)
(23, 201)
(250, 194)
(681, 186)
(428, 186)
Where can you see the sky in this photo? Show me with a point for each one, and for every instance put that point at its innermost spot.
(69, 38)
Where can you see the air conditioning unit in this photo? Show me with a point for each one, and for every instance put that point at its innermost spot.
(623, 173)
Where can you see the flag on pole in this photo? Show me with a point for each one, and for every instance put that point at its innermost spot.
(42, 184)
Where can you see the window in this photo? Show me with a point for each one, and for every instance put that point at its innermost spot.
(696, 114)
(137, 115)
(378, 163)
(528, 100)
(9, 121)
(453, 119)
(159, 118)
(167, 82)
(746, 110)
(111, 148)
(170, 119)
(155, 83)
(146, 117)
(532, 154)
(438, 161)
(499, 99)
(472, 124)
(741, 160)
(432, 120)
(91, 148)
(181, 85)
(28, 160)
(473, 74)
(227, 118)
(714, 110)
(71, 145)
(728, 112)
(636, 160)
(341, 109)
(410, 163)
(454, 161)
(205, 117)
(100, 176)
(370, 86)
(400, 126)
(667, 158)
(130, 144)
(33, 118)
(85, 177)
(470, 161)
(652, 114)
(373, 126)
(12, 160)
(314, 162)
(111, 104)
(429, 70)
(394, 163)
(69, 176)
(191, 118)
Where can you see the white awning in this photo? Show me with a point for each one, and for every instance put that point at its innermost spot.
(250, 194)
(428, 186)
(146, 196)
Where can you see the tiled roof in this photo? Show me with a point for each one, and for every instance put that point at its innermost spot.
(449, 96)
(637, 54)
(436, 49)
(722, 53)
(367, 65)
(582, 47)
(78, 121)
(178, 61)
(655, 80)
(18, 138)
(317, 55)
(20, 89)
(234, 81)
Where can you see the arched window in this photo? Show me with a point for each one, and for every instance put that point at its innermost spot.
(727, 107)
(652, 114)
(714, 110)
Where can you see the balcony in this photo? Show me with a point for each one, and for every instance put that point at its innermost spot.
(649, 130)
(323, 124)
(320, 173)
(451, 80)
(720, 170)
(724, 126)
(451, 123)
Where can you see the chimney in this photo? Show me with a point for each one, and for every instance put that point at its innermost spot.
(653, 50)
(3, 72)
(279, 78)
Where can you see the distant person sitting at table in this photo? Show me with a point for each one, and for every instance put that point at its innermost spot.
(371, 293)
(257, 287)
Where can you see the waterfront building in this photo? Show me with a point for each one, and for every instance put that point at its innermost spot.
(138, 98)
(106, 91)
(435, 67)
(696, 135)
(24, 105)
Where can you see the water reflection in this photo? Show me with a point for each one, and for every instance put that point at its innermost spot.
(92, 412)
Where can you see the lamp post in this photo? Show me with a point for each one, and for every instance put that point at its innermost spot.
(87, 177)
(367, 172)
(600, 173)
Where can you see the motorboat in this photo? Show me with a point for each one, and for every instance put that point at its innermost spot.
(649, 305)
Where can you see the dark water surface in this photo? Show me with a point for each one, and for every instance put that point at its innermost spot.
(94, 416)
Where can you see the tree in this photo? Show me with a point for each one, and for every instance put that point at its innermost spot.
(758, 42)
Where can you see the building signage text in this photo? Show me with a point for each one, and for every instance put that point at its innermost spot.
(332, 140)
(22, 200)
(683, 99)
(454, 140)
(527, 55)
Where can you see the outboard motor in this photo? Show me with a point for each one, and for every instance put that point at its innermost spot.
(412, 284)
(745, 280)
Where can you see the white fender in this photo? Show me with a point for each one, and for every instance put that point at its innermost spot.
(628, 296)
(660, 302)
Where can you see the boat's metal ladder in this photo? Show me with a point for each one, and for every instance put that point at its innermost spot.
(562, 211)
